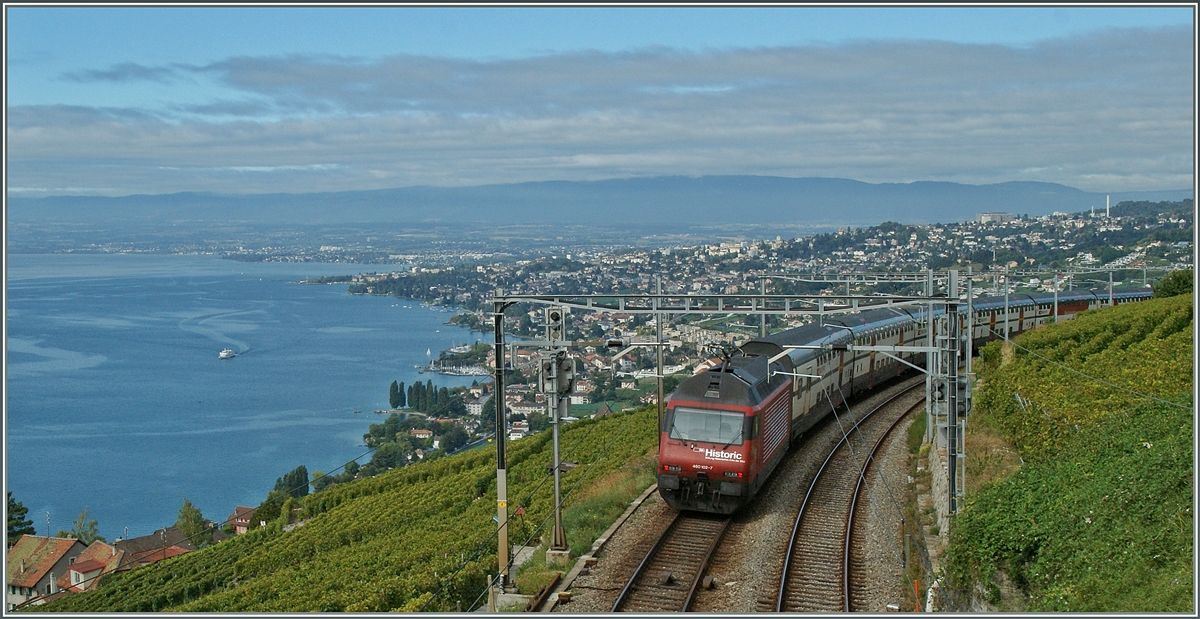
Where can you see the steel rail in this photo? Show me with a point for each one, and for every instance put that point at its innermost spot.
(862, 479)
(691, 596)
(640, 573)
(783, 580)
(646, 562)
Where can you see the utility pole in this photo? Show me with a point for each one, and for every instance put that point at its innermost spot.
(558, 374)
(970, 321)
(658, 355)
(762, 327)
(1056, 296)
(949, 354)
(930, 414)
(501, 464)
(1006, 303)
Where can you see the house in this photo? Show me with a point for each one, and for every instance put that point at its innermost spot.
(34, 563)
(240, 519)
(519, 429)
(96, 561)
(147, 549)
(421, 434)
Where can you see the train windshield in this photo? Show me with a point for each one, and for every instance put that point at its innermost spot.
(696, 424)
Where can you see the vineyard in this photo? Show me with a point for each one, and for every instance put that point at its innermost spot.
(1098, 518)
(417, 538)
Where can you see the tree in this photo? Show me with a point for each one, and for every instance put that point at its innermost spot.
(1175, 283)
(85, 530)
(192, 524)
(452, 437)
(294, 483)
(269, 509)
(18, 525)
(391, 455)
(394, 395)
(487, 418)
(400, 403)
(538, 422)
(320, 481)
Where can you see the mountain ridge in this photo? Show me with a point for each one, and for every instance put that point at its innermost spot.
(657, 199)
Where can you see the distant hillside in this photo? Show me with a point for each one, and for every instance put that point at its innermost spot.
(670, 199)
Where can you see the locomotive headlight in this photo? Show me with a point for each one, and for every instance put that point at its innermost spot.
(737, 474)
(674, 468)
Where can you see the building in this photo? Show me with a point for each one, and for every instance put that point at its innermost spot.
(159, 545)
(240, 519)
(34, 564)
(99, 559)
(999, 218)
(519, 430)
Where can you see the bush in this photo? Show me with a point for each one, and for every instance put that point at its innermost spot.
(1107, 527)
(1175, 283)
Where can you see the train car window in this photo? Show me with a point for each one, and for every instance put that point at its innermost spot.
(711, 426)
(752, 427)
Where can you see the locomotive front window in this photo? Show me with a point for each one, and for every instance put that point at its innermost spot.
(695, 424)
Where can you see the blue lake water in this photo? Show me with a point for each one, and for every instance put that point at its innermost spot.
(116, 400)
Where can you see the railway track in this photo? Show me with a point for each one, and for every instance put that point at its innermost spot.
(817, 574)
(670, 574)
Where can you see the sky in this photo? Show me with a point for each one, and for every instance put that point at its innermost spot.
(123, 100)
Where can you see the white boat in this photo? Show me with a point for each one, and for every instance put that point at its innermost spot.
(227, 354)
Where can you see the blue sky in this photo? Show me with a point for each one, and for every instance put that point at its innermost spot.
(120, 100)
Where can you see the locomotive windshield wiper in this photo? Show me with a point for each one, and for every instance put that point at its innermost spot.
(739, 435)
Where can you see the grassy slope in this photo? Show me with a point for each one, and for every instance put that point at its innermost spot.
(1099, 518)
(385, 543)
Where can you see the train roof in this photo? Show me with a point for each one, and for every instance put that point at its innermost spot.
(838, 329)
(741, 380)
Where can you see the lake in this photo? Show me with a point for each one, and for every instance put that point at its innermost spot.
(118, 403)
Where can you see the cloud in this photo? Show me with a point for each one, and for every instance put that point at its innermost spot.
(1108, 112)
(124, 72)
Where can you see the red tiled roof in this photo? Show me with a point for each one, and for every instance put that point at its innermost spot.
(98, 553)
(84, 567)
(38, 555)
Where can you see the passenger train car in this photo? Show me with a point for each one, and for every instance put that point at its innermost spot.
(725, 429)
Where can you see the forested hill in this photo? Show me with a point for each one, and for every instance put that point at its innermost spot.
(701, 200)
